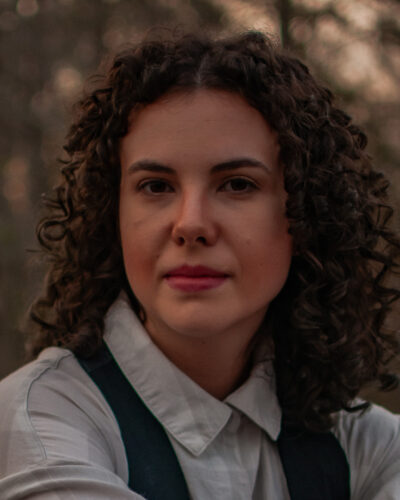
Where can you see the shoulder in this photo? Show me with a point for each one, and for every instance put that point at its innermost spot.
(51, 412)
(371, 441)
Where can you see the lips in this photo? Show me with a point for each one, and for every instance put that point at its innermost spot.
(194, 278)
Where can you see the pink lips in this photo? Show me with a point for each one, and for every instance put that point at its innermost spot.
(194, 278)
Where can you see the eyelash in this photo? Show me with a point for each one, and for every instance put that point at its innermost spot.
(250, 186)
(143, 185)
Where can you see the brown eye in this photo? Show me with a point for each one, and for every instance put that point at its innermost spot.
(239, 185)
(156, 186)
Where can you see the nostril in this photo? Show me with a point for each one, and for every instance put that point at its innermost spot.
(187, 240)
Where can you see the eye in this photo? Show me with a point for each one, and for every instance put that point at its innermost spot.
(238, 185)
(155, 186)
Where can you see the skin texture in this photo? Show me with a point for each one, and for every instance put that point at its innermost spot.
(329, 324)
(230, 218)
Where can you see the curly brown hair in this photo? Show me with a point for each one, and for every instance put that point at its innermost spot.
(328, 322)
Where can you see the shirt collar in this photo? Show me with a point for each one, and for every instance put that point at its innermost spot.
(257, 398)
(189, 413)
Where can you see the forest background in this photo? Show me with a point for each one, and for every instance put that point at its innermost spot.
(49, 47)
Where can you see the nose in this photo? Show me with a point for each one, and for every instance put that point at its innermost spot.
(194, 224)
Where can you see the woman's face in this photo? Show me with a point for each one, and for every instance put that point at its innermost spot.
(202, 214)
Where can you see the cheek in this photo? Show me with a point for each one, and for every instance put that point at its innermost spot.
(267, 252)
(272, 257)
(141, 243)
(138, 269)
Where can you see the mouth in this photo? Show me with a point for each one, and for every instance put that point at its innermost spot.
(195, 278)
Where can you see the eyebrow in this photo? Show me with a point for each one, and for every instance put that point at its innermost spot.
(233, 164)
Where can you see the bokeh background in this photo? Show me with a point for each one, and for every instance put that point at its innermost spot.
(49, 47)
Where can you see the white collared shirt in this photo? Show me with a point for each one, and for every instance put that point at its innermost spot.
(59, 439)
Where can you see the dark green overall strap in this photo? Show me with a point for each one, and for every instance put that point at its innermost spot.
(315, 465)
(154, 470)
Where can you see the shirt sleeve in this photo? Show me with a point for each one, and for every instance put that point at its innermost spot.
(371, 442)
(61, 481)
(59, 439)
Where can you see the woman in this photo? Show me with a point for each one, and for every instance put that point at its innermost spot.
(219, 224)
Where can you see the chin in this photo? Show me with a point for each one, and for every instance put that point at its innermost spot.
(196, 328)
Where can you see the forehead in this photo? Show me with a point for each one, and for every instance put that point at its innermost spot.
(194, 124)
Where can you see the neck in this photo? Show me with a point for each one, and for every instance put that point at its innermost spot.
(212, 370)
(217, 364)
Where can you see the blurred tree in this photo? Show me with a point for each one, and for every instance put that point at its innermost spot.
(48, 47)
